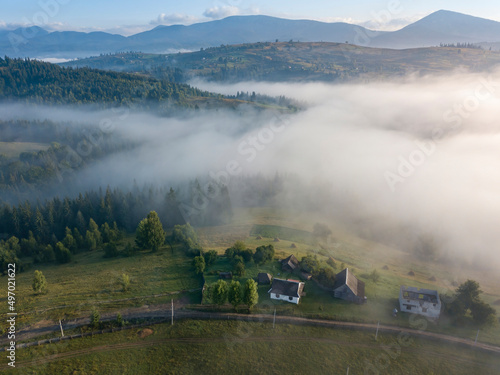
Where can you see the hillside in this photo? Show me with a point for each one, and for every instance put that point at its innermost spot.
(40, 82)
(33, 81)
(292, 61)
(439, 27)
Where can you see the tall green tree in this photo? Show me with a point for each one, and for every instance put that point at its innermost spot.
(219, 292)
(150, 233)
(250, 294)
(63, 255)
(199, 264)
(234, 293)
(468, 301)
(210, 257)
(239, 269)
(483, 314)
(94, 229)
(90, 241)
(69, 241)
(263, 254)
(39, 282)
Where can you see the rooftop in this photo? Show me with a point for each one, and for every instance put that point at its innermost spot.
(416, 294)
(346, 277)
(287, 287)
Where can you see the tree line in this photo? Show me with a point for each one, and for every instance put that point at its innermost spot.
(57, 228)
(35, 81)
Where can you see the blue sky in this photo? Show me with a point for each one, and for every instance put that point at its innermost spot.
(127, 16)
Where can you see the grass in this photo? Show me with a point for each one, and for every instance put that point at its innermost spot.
(282, 233)
(237, 347)
(14, 149)
(361, 256)
(89, 280)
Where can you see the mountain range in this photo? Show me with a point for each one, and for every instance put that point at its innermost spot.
(439, 27)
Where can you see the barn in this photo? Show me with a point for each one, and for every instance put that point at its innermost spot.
(348, 287)
(289, 264)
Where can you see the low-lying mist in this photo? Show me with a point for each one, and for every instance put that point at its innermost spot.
(412, 163)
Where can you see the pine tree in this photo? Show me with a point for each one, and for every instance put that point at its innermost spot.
(150, 233)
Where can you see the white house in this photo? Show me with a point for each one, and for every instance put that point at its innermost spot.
(286, 290)
(425, 302)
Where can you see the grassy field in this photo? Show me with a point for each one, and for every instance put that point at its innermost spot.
(238, 347)
(275, 231)
(361, 256)
(91, 281)
(194, 346)
(14, 149)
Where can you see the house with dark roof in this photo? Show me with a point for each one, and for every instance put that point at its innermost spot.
(424, 302)
(225, 275)
(286, 290)
(264, 278)
(348, 287)
(289, 264)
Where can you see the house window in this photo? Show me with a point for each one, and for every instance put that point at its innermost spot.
(424, 309)
(290, 298)
(277, 296)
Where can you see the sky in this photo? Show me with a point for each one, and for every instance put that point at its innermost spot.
(127, 17)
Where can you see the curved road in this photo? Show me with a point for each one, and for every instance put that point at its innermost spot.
(163, 311)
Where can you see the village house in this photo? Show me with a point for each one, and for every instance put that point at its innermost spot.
(287, 290)
(225, 275)
(348, 287)
(424, 302)
(264, 278)
(289, 264)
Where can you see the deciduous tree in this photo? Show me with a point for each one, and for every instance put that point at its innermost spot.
(39, 282)
(250, 294)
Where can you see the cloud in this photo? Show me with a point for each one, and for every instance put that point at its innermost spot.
(392, 24)
(174, 19)
(341, 147)
(219, 12)
(352, 135)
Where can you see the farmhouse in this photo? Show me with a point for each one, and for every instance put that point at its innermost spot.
(225, 275)
(424, 302)
(348, 287)
(289, 264)
(287, 290)
(264, 278)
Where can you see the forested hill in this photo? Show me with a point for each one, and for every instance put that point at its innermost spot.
(40, 82)
(294, 61)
